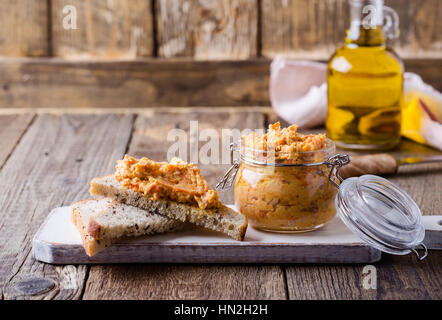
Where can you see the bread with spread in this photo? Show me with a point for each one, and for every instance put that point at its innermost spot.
(176, 180)
(176, 190)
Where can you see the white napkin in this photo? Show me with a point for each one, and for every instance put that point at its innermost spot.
(298, 91)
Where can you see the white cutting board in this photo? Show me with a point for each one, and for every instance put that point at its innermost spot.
(59, 242)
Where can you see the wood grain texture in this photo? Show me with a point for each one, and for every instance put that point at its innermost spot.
(185, 282)
(423, 182)
(207, 30)
(181, 281)
(420, 25)
(48, 83)
(51, 166)
(398, 277)
(313, 29)
(12, 128)
(118, 29)
(53, 84)
(310, 29)
(204, 30)
(24, 28)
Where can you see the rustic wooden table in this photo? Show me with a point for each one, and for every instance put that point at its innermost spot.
(47, 160)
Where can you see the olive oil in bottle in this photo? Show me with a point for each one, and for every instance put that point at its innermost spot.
(365, 83)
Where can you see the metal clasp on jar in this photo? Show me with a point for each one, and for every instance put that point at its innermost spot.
(336, 162)
(227, 180)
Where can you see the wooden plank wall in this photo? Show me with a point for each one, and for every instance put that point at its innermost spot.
(203, 30)
(421, 28)
(301, 29)
(24, 29)
(313, 28)
(118, 29)
(175, 46)
(207, 30)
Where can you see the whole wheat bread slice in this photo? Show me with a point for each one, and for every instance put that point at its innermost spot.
(81, 212)
(121, 220)
(111, 220)
(221, 219)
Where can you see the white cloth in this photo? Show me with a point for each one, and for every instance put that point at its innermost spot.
(298, 91)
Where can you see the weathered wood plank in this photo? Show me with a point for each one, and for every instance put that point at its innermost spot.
(118, 29)
(423, 182)
(24, 28)
(420, 25)
(183, 281)
(309, 29)
(313, 29)
(398, 277)
(51, 166)
(54, 83)
(207, 30)
(12, 128)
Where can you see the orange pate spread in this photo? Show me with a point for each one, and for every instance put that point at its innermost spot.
(177, 181)
(286, 143)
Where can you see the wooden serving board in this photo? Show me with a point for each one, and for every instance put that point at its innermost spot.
(58, 242)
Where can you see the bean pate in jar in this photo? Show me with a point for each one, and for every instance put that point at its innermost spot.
(282, 184)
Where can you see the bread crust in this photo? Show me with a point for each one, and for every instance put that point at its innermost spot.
(90, 245)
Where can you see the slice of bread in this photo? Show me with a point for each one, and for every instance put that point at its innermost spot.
(121, 220)
(221, 219)
(109, 220)
(81, 212)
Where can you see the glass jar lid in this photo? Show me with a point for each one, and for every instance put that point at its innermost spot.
(381, 214)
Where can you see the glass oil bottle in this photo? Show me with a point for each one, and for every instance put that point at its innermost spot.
(365, 80)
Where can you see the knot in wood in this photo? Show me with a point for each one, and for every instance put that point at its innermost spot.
(35, 286)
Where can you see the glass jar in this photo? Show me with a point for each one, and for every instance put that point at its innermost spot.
(365, 80)
(285, 195)
(311, 191)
